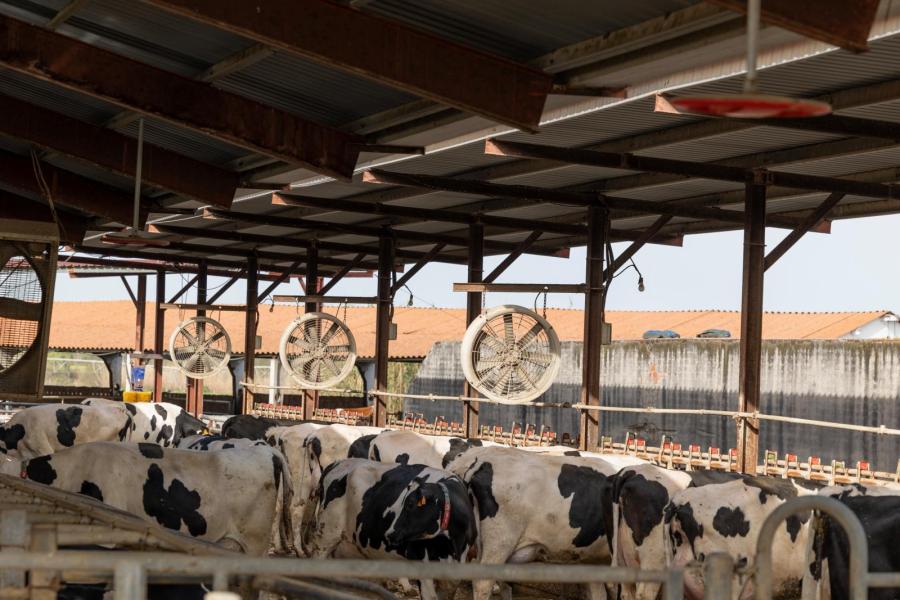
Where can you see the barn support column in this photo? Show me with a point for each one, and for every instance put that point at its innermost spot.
(383, 325)
(159, 328)
(140, 306)
(194, 402)
(473, 309)
(751, 325)
(251, 316)
(592, 357)
(311, 397)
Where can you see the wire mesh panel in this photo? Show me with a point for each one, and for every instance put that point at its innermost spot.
(318, 350)
(200, 347)
(27, 269)
(510, 354)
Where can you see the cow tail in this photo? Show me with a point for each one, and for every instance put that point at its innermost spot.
(285, 529)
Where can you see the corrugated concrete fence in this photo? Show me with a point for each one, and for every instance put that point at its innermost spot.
(844, 381)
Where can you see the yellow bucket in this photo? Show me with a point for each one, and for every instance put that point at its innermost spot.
(133, 396)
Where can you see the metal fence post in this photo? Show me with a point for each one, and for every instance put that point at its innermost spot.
(673, 588)
(718, 569)
(130, 581)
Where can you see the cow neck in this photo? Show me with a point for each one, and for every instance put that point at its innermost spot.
(445, 513)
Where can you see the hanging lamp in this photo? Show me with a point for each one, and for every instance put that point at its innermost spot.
(751, 104)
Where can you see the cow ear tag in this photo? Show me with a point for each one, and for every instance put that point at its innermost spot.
(421, 501)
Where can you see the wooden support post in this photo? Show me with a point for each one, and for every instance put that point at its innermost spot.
(250, 321)
(383, 325)
(140, 306)
(194, 402)
(473, 309)
(592, 357)
(751, 326)
(311, 397)
(159, 328)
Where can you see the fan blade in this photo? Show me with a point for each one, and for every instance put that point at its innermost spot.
(299, 342)
(493, 343)
(216, 354)
(331, 366)
(311, 331)
(299, 362)
(503, 379)
(218, 335)
(190, 338)
(538, 358)
(530, 336)
(339, 350)
(523, 374)
(19, 310)
(508, 328)
(190, 364)
(329, 334)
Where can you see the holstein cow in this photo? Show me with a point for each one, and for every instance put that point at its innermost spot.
(45, 429)
(205, 443)
(827, 572)
(247, 426)
(236, 498)
(408, 447)
(640, 494)
(322, 447)
(727, 517)
(376, 510)
(537, 507)
(156, 422)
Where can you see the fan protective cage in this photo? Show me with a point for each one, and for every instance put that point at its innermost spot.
(200, 347)
(318, 350)
(510, 354)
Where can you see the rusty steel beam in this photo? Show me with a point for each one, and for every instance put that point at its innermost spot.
(72, 227)
(750, 365)
(473, 309)
(425, 214)
(421, 264)
(244, 252)
(632, 162)
(844, 24)
(159, 332)
(636, 245)
(156, 265)
(384, 309)
(362, 230)
(386, 51)
(116, 152)
(195, 105)
(290, 242)
(251, 321)
(811, 221)
(68, 189)
(354, 263)
(511, 257)
(594, 311)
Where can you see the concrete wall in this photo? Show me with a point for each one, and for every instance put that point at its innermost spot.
(844, 381)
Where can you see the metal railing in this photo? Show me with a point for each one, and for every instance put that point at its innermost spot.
(860, 579)
(130, 570)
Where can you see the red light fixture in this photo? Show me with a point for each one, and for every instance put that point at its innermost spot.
(750, 104)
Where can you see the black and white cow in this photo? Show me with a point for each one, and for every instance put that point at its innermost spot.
(409, 447)
(878, 509)
(323, 446)
(45, 429)
(160, 423)
(727, 517)
(537, 507)
(640, 494)
(236, 498)
(247, 426)
(376, 510)
(206, 443)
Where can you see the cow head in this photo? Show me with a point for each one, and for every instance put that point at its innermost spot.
(425, 511)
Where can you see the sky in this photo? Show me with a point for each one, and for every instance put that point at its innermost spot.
(856, 267)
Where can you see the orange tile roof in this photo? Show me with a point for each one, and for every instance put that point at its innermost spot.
(111, 325)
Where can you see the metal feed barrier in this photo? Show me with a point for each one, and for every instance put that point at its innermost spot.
(130, 571)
